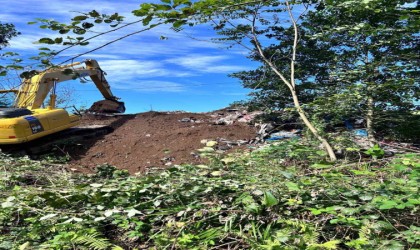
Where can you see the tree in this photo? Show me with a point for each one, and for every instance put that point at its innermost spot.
(7, 32)
(376, 46)
(357, 58)
(312, 69)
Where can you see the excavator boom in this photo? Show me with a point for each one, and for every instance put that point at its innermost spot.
(35, 90)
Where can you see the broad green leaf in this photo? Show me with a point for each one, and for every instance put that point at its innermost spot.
(269, 200)
(388, 204)
(292, 186)
(79, 18)
(147, 20)
(46, 40)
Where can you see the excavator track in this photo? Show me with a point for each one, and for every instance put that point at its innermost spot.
(72, 136)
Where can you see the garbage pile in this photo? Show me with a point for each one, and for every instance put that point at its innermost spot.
(231, 116)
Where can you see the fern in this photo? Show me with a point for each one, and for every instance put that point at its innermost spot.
(311, 237)
(303, 230)
(329, 245)
(93, 241)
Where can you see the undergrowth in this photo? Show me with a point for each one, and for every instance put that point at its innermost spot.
(282, 196)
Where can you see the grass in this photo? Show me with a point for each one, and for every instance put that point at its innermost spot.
(282, 196)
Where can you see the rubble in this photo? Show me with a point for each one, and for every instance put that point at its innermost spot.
(231, 116)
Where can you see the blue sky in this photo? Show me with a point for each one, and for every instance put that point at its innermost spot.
(180, 73)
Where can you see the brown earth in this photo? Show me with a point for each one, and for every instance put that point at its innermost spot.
(155, 139)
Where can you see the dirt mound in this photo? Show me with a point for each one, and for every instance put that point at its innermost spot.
(155, 139)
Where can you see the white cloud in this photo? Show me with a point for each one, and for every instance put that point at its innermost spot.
(124, 70)
(206, 63)
(152, 86)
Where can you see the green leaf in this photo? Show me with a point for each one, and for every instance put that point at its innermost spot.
(321, 165)
(315, 211)
(292, 186)
(94, 13)
(79, 18)
(253, 208)
(46, 40)
(388, 204)
(87, 25)
(179, 23)
(269, 200)
(147, 20)
(58, 40)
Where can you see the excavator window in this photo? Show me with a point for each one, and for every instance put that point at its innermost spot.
(14, 112)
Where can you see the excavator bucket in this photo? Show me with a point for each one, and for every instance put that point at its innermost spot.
(107, 106)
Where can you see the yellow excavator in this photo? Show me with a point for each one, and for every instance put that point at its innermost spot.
(27, 120)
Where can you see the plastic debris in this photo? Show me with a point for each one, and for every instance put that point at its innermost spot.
(360, 132)
(284, 135)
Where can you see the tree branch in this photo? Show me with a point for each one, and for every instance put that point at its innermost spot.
(113, 41)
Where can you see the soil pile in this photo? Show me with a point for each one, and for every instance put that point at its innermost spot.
(156, 139)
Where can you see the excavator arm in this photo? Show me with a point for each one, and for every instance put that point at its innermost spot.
(35, 90)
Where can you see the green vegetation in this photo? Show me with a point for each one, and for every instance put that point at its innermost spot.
(327, 61)
(281, 196)
(7, 32)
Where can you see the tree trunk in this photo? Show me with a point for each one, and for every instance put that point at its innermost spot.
(369, 121)
(309, 125)
(292, 84)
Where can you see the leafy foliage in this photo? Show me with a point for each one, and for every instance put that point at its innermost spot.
(7, 32)
(375, 45)
(260, 200)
